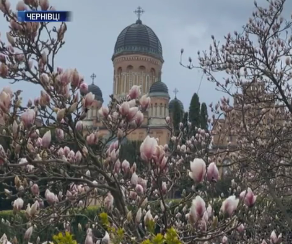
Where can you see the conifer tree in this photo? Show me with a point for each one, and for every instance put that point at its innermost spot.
(204, 116)
(194, 113)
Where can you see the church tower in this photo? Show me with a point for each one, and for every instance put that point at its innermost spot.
(137, 58)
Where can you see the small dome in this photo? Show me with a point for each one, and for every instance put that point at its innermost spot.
(173, 101)
(96, 92)
(158, 86)
(138, 38)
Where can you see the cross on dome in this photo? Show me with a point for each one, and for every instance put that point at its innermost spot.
(175, 92)
(93, 76)
(139, 11)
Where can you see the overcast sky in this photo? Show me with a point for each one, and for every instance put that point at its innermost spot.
(187, 24)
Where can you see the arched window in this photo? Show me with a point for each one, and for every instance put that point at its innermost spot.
(155, 110)
(153, 74)
(118, 84)
(129, 68)
(160, 112)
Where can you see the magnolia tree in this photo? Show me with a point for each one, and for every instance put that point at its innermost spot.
(54, 164)
(256, 65)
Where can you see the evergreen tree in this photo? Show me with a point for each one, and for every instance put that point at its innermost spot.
(185, 119)
(176, 117)
(204, 116)
(194, 113)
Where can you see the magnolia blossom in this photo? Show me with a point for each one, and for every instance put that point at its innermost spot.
(138, 216)
(274, 238)
(198, 169)
(148, 217)
(109, 201)
(198, 209)
(46, 140)
(248, 197)
(28, 233)
(135, 92)
(28, 117)
(212, 172)
(18, 204)
(148, 148)
(229, 205)
(88, 100)
(145, 102)
(104, 111)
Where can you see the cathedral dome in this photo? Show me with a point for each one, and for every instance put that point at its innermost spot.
(96, 92)
(158, 86)
(138, 38)
(158, 89)
(172, 103)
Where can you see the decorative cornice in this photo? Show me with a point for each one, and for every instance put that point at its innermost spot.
(122, 58)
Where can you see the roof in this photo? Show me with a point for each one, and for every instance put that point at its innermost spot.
(173, 101)
(138, 38)
(158, 86)
(96, 92)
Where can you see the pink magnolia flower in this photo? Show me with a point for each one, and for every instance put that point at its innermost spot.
(109, 201)
(78, 156)
(274, 238)
(124, 108)
(44, 99)
(167, 119)
(148, 217)
(134, 179)
(148, 148)
(61, 114)
(125, 166)
(60, 134)
(28, 233)
(139, 189)
(198, 170)
(5, 100)
(75, 78)
(240, 228)
(138, 216)
(212, 172)
(88, 100)
(224, 240)
(197, 210)
(18, 204)
(145, 102)
(229, 205)
(79, 126)
(91, 139)
(248, 197)
(164, 187)
(35, 189)
(83, 88)
(44, 4)
(5, 6)
(104, 111)
(135, 92)
(28, 118)
(139, 117)
(51, 197)
(46, 140)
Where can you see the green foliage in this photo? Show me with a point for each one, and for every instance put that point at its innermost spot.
(129, 151)
(171, 237)
(176, 117)
(204, 117)
(46, 234)
(67, 238)
(194, 112)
